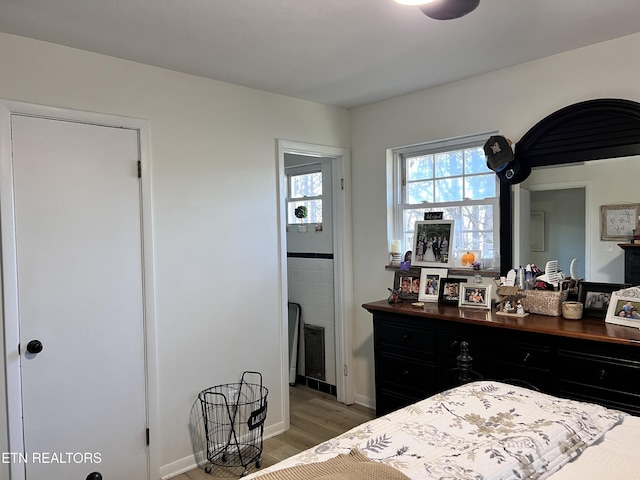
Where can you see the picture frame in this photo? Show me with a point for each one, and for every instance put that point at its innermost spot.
(432, 243)
(430, 283)
(624, 308)
(475, 295)
(400, 283)
(536, 229)
(449, 293)
(619, 221)
(596, 297)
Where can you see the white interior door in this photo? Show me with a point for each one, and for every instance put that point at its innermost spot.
(80, 293)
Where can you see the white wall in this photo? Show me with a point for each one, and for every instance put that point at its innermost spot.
(511, 100)
(216, 249)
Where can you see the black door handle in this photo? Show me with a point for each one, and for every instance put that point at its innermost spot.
(34, 346)
(94, 476)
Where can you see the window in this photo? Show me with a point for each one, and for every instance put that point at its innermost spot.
(452, 177)
(304, 189)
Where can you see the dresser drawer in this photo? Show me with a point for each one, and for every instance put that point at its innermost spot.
(388, 400)
(505, 352)
(599, 371)
(609, 398)
(404, 373)
(390, 334)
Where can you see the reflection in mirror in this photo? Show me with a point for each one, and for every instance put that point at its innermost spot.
(596, 142)
(570, 197)
(561, 232)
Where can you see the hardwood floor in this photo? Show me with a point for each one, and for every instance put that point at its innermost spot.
(315, 417)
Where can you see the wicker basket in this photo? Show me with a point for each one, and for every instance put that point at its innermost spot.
(544, 302)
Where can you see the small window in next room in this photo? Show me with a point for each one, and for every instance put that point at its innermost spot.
(449, 176)
(304, 189)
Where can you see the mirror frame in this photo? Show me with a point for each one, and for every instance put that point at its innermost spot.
(589, 130)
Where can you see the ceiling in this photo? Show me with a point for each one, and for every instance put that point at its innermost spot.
(345, 53)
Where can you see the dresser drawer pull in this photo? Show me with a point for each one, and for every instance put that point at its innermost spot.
(603, 375)
(406, 336)
(406, 373)
(454, 345)
(527, 357)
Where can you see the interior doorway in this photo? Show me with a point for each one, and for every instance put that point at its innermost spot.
(74, 209)
(339, 160)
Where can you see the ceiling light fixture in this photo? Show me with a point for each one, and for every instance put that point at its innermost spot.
(413, 2)
(443, 9)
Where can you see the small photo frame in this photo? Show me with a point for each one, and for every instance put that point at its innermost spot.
(597, 296)
(475, 295)
(407, 283)
(449, 293)
(432, 243)
(430, 283)
(624, 308)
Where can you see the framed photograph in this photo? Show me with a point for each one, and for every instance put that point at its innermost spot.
(430, 283)
(597, 296)
(624, 308)
(476, 295)
(432, 243)
(449, 292)
(407, 283)
(617, 222)
(536, 228)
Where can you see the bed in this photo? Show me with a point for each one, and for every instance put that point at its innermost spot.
(479, 430)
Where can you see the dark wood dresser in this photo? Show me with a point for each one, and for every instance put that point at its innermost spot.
(631, 263)
(416, 353)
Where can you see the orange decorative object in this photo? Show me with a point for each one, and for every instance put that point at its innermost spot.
(468, 259)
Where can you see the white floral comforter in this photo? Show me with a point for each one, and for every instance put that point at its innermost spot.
(482, 430)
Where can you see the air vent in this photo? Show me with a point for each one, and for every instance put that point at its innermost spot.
(314, 352)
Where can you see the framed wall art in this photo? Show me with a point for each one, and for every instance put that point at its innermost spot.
(624, 307)
(430, 279)
(618, 221)
(450, 290)
(476, 295)
(432, 243)
(597, 296)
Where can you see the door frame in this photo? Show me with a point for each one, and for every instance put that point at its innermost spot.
(9, 273)
(342, 265)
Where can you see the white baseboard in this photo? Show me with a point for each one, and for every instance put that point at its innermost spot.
(185, 464)
(365, 401)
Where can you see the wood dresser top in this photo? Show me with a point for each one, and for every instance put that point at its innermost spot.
(586, 328)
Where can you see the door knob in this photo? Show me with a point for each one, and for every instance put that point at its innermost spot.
(94, 476)
(34, 346)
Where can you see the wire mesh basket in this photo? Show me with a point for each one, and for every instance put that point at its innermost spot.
(234, 415)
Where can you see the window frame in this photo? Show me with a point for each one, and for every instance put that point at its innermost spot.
(396, 186)
(302, 170)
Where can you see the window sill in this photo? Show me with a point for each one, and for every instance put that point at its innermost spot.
(454, 271)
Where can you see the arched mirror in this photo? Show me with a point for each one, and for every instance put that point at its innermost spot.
(586, 131)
